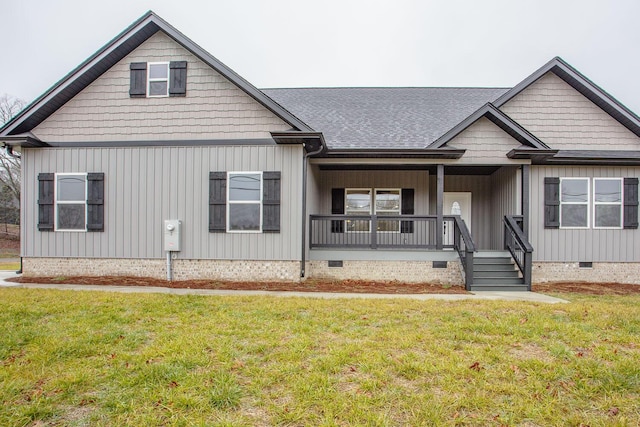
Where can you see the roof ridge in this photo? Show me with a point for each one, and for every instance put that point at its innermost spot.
(386, 87)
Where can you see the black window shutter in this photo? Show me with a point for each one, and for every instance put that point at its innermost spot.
(407, 208)
(217, 202)
(630, 213)
(551, 202)
(95, 201)
(138, 84)
(45, 201)
(337, 208)
(178, 78)
(270, 202)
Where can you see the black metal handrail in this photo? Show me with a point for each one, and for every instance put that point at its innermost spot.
(464, 244)
(517, 243)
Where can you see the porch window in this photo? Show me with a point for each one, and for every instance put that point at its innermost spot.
(358, 202)
(388, 203)
(607, 203)
(574, 202)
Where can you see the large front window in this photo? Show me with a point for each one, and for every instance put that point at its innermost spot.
(71, 202)
(381, 202)
(607, 203)
(245, 201)
(574, 202)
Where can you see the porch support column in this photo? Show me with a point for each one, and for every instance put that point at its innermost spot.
(439, 203)
(525, 199)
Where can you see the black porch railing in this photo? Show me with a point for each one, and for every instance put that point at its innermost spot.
(516, 242)
(394, 232)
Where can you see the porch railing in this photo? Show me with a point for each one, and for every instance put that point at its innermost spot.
(463, 243)
(394, 232)
(376, 231)
(516, 242)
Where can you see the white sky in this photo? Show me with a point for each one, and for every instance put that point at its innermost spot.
(289, 43)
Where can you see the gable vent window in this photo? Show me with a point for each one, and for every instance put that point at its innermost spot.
(158, 79)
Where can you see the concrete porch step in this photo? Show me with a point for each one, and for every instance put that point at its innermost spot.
(506, 288)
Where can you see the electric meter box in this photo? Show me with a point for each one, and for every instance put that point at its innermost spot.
(172, 234)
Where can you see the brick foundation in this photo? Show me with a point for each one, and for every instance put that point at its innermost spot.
(618, 272)
(287, 271)
(403, 271)
(182, 269)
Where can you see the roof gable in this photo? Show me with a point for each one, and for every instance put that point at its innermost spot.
(498, 118)
(114, 51)
(583, 85)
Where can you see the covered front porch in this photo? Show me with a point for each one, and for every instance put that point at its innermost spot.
(436, 213)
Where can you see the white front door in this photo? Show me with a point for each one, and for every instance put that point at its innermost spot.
(456, 203)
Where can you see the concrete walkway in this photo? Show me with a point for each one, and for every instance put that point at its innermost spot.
(484, 295)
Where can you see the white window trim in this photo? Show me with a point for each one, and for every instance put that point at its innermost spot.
(620, 203)
(399, 211)
(588, 202)
(244, 202)
(372, 206)
(150, 80)
(69, 202)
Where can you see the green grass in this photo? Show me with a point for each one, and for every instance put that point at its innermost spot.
(11, 266)
(103, 359)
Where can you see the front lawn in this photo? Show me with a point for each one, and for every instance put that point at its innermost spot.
(97, 358)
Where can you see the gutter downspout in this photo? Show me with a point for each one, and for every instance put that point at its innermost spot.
(9, 150)
(305, 161)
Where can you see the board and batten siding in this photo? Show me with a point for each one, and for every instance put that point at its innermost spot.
(506, 186)
(146, 185)
(213, 108)
(564, 119)
(591, 245)
(492, 197)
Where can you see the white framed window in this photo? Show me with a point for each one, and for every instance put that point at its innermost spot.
(71, 202)
(366, 201)
(387, 202)
(157, 79)
(244, 207)
(358, 202)
(607, 202)
(574, 202)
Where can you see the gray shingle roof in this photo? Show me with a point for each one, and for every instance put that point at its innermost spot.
(383, 117)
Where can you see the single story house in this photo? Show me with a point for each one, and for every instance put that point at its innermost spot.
(491, 187)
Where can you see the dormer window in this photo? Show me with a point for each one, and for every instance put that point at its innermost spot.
(158, 79)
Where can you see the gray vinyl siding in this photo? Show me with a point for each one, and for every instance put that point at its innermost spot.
(144, 186)
(313, 196)
(418, 180)
(565, 119)
(213, 108)
(563, 245)
(507, 200)
(485, 144)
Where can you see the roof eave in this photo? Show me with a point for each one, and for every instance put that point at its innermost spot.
(450, 153)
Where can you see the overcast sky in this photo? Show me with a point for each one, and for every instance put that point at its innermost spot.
(324, 43)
